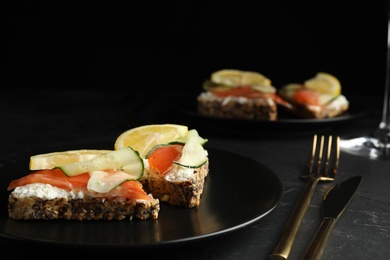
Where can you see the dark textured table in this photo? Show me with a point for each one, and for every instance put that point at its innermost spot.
(66, 117)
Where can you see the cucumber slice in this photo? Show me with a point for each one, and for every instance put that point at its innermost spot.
(267, 89)
(287, 91)
(194, 155)
(102, 181)
(326, 99)
(191, 134)
(126, 159)
(209, 85)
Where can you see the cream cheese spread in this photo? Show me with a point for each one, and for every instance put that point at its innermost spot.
(177, 173)
(337, 104)
(45, 191)
(208, 96)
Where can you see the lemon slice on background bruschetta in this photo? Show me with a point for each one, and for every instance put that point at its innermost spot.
(228, 79)
(235, 78)
(324, 83)
(319, 90)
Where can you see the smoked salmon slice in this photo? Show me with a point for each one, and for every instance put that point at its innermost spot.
(55, 177)
(161, 158)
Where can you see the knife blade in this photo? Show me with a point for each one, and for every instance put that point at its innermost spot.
(334, 203)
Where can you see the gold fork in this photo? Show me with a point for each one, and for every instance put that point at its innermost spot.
(318, 168)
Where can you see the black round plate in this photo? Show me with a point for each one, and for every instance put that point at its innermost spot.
(285, 124)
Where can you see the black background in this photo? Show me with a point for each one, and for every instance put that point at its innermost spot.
(175, 45)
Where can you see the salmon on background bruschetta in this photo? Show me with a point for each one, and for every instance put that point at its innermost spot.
(317, 98)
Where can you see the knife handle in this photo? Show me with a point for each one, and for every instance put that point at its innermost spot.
(283, 249)
(317, 244)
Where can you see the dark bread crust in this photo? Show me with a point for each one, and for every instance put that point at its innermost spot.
(316, 112)
(178, 193)
(88, 208)
(324, 112)
(251, 109)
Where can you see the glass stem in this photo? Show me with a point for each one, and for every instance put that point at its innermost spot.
(383, 131)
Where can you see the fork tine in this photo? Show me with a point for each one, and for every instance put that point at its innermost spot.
(336, 160)
(312, 155)
(320, 152)
(329, 153)
(330, 167)
(315, 159)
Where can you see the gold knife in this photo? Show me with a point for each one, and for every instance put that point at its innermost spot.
(334, 203)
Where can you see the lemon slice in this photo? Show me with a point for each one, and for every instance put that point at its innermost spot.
(254, 79)
(230, 78)
(324, 83)
(144, 138)
(235, 78)
(54, 159)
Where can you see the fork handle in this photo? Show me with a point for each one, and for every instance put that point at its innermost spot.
(317, 245)
(283, 248)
